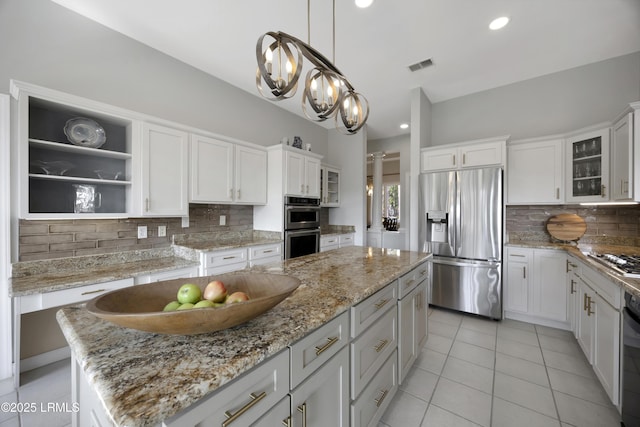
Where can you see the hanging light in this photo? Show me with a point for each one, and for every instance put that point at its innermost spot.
(327, 93)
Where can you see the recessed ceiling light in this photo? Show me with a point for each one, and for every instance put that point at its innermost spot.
(498, 23)
(363, 3)
(404, 126)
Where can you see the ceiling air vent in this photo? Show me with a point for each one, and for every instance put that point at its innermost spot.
(420, 65)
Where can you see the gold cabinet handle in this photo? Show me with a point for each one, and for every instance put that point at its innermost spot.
(584, 303)
(568, 269)
(573, 290)
(286, 422)
(382, 344)
(409, 282)
(229, 257)
(381, 304)
(330, 342)
(268, 251)
(379, 400)
(93, 292)
(303, 410)
(589, 312)
(524, 272)
(423, 272)
(232, 417)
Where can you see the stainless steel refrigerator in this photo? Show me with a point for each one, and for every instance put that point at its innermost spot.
(461, 224)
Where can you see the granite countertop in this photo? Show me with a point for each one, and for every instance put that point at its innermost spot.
(216, 245)
(328, 230)
(580, 250)
(36, 277)
(144, 378)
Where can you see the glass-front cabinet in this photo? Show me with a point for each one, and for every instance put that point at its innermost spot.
(72, 161)
(588, 167)
(329, 186)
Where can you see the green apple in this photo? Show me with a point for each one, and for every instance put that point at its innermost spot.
(204, 304)
(189, 293)
(185, 306)
(172, 306)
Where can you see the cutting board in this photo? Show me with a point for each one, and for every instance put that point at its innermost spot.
(566, 227)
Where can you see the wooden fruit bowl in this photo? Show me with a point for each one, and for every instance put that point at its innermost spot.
(140, 307)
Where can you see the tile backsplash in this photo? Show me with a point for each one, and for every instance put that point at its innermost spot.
(48, 239)
(614, 225)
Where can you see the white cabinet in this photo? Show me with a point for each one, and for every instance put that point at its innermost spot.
(243, 401)
(412, 328)
(587, 171)
(301, 174)
(329, 242)
(224, 172)
(573, 273)
(264, 254)
(54, 178)
(622, 159)
(367, 409)
(167, 275)
(164, 167)
(329, 186)
(535, 172)
(536, 289)
(223, 261)
(345, 240)
(489, 152)
(599, 328)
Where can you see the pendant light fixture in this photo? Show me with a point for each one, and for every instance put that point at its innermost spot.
(327, 92)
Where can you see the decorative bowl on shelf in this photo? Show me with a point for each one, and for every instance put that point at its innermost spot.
(85, 132)
(140, 307)
(109, 175)
(54, 167)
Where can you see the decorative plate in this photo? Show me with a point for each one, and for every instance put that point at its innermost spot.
(85, 132)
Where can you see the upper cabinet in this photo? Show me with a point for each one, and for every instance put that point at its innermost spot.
(329, 186)
(301, 173)
(72, 157)
(622, 158)
(225, 172)
(486, 152)
(164, 171)
(587, 172)
(534, 172)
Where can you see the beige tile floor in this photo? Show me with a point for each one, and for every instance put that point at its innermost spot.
(478, 372)
(471, 372)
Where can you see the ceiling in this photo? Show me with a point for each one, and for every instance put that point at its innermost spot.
(375, 46)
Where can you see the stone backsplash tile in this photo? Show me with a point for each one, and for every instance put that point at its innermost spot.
(50, 239)
(613, 225)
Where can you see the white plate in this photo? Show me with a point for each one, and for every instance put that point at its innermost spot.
(85, 132)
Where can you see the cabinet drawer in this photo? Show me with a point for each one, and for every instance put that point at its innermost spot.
(265, 251)
(221, 258)
(608, 290)
(345, 240)
(331, 240)
(368, 311)
(312, 351)
(409, 281)
(376, 397)
(167, 275)
(370, 350)
(79, 294)
(519, 254)
(248, 397)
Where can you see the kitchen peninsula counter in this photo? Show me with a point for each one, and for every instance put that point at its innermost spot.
(144, 378)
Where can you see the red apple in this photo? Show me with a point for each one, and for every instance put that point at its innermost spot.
(237, 297)
(215, 291)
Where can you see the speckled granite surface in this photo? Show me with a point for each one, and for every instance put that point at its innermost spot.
(579, 250)
(205, 242)
(337, 229)
(34, 277)
(144, 378)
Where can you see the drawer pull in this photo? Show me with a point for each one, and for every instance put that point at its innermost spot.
(379, 400)
(423, 272)
(267, 251)
(584, 303)
(286, 422)
(232, 417)
(524, 272)
(517, 255)
(330, 342)
(589, 312)
(93, 292)
(573, 289)
(382, 344)
(303, 409)
(381, 303)
(229, 257)
(410, 282)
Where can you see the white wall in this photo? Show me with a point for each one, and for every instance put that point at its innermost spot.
(51, 46)
(349, 153)
(547, 105)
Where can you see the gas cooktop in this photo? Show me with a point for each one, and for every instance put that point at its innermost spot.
(627, 265)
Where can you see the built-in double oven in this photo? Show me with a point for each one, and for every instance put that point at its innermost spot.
(301, 226)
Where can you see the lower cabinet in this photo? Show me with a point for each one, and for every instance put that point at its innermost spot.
(323, 398)
(598, 332)
(412, 328)
(375, 398)
(226, 260)
(167, 275)
(536, 289)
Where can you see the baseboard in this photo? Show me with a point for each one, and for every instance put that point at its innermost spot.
(537, 320)
(40, 360)
(6, 386)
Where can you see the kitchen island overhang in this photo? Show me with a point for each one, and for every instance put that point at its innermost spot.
(143, 378)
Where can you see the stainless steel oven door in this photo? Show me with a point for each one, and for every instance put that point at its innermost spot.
(299, 217)
(301, 242)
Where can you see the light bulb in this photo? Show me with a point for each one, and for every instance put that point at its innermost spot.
(363, 3)
(268, 55)
(498, 23)
(289, 67)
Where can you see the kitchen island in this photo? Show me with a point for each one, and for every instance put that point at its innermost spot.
(143, 378)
